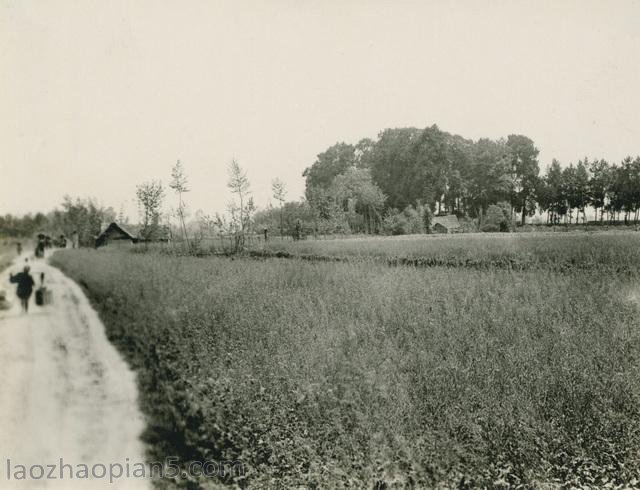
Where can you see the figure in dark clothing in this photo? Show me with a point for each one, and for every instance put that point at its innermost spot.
(19, 246)
(40, 246)
(62, 242)
(40, 250)
(25, 287)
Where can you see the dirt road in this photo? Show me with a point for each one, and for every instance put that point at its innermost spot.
(65, 392)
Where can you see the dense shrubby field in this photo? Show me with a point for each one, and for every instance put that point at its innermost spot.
(614, 251)
(334, 374)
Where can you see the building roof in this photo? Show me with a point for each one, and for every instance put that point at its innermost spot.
(114, 228)
(450, 221)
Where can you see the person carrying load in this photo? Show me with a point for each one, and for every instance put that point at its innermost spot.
(25, 287)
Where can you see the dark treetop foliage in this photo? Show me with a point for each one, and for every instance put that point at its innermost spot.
(450, 174)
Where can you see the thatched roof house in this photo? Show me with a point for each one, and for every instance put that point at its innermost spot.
(114, 233)
(445, 224)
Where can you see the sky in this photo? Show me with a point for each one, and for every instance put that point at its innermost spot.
(97, 97)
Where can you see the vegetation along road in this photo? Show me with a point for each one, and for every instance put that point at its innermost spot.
(498, 361)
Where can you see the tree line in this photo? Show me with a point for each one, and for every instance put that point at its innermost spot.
(406, 169)
(84, 217)
(393, 185)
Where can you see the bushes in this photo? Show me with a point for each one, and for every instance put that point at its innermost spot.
(497, 218)
(491, 228)
(413, 220)
(395, 223)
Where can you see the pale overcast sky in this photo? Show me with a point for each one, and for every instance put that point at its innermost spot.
(97, 96)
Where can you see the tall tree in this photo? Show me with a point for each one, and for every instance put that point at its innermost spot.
(524, 171)
(179, 185)
(581, 188)
(488, 178)
(150, 198)
(239, 185)
(625, 188)
(599, 185)
(569, 189)
(460, 162)
(556, 189)
(393, 167)
(279, 194)
(428, 176)
(544, 196)
(356, 193)
(122, 217)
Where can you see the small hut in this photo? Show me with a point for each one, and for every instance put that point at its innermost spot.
(114, 233)
(445, 224)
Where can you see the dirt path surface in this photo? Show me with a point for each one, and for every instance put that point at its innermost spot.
(65, 392)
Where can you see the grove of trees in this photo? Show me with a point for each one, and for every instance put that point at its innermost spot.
(84, 216)
(363, 186)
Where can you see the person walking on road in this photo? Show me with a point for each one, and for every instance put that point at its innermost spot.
(25, 287)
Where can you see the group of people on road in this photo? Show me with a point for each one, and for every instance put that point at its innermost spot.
(24, 280)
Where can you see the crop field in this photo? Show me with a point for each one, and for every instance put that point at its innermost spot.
(354, 373)
(557, 251)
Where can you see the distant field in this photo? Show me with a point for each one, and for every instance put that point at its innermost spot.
(618, 251)
(613, 250)
(331, 374)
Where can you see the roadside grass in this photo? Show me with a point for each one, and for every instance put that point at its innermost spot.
(8, 252)
(358, 374)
